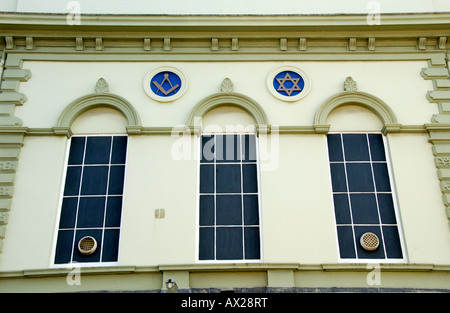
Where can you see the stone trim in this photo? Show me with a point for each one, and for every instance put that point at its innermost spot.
(11, 139)
(439, 129)
(96, 100)
(374, 104)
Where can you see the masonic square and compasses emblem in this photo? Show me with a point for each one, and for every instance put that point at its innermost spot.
(165, 84)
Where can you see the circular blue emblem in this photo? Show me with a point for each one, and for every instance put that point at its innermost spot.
(165, 84)
(288, 83)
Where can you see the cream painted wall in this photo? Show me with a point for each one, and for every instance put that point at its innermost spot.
(234, 6)
(296, 201)
(155, 180)
(297, 210)
(422, 212)
(35, 208)
(403, 92)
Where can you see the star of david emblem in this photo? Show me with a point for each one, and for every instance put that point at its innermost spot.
(165, 84)
(291, 86)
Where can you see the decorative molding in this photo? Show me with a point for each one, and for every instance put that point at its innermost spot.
(352, 44)
(101, 86)
(442, 43)
(350, 85)
(227, 86)
(215, 44)
(371, 44)
(422, 43)
(147, 44)
(29, 43)
(79, 44)
(439, 129)
(9, 42)
(167, 46)
(83, 104)
(227, 99)
(374, 104)
(283, 44)
(99, 44)
(235, 44)
(302, 45)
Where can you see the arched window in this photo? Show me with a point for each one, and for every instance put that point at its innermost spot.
(91, 204)
(229, 203)
(365, 207)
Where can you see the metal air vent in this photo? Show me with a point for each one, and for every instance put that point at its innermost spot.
(87, 245)
(369, 241)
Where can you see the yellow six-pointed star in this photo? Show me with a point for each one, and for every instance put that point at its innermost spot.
(288, 78)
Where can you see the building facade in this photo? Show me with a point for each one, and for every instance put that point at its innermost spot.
(221, 150)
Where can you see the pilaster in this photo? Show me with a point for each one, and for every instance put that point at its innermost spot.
(439, 129)
(11, 139)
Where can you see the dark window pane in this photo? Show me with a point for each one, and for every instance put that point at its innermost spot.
(392, 241)
(381, 177)
(91, 212)
(73, 177)
(335, 148)
(228, 210)
(64, 246)
(229, 243)
(251, 241)
(208, 149)
(386, 205)
(342, 209)
(76, 151)
(68, 213)
(364, 254)
(360, 177)
(94, 180)
(116, 179)
(206, 210)
(364, 209)
(113, 211)
(228, 178)
(228, 148)
(377, 147)
(119, 150)
(206, 251)
(251, 211)
(355, 147)
(249, 148)
(249, 171)
(346, 242)
(98, 150)
(207, 178)
(338, 180)
(94, 257)
(110, 251)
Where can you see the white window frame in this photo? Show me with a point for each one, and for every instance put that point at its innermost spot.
(197, 242)
(72, 263)
(404, 259)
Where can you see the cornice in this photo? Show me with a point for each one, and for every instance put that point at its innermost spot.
(431, 21)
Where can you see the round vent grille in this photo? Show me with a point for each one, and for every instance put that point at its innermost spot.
(87, 245)
(369, 241)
